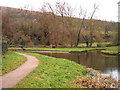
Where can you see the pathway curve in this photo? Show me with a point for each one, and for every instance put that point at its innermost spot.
(12, 78)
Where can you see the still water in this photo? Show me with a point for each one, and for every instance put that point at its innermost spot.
(106, 64)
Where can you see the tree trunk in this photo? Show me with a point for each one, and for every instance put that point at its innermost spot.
(87, 43)
(91, 39)
(78, 39)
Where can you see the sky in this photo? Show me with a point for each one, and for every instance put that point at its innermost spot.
(108, 9)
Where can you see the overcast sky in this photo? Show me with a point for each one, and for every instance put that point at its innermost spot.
(108, 9)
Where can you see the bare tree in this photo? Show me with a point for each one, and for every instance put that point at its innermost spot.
(70, 24)
(60, 8)
(80, 28)
(92, 24)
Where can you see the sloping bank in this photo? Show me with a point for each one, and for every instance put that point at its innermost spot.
(59, 73)
(112, 51)
(10, 61)
(52, 73)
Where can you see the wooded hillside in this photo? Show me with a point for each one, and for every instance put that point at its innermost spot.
(33, 28)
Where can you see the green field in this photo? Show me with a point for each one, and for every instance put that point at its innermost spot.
(11, 60)
(52, 73)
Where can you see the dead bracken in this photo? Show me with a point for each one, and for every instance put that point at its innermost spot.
(98, 81)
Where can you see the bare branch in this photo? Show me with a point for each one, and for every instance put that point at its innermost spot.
(95, 8)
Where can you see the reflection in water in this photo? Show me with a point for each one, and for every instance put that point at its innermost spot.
(92, 59)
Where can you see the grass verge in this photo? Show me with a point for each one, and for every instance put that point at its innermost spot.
(102, 44)
(11, 61)
(61, 49)
(111, 50)
(52, 73)
(65, 49)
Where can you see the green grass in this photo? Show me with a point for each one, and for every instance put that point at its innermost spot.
(11, 61)
(95, 44)
(52, 73)
(59, 49)
(65, 49)
(112, 50)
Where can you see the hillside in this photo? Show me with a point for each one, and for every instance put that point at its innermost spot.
(32, 28)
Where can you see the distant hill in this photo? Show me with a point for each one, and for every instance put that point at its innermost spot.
(37, 28)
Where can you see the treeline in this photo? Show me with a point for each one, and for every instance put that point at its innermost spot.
(55, 26)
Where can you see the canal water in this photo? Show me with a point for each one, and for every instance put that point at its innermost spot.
(106, 64)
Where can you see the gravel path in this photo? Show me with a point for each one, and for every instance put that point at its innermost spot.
(10, 79)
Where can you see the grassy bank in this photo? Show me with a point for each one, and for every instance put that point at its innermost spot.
(112, 50)
(64, 49)
(11, 61)
(52, 73)
(102, 44)
(59, 49)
